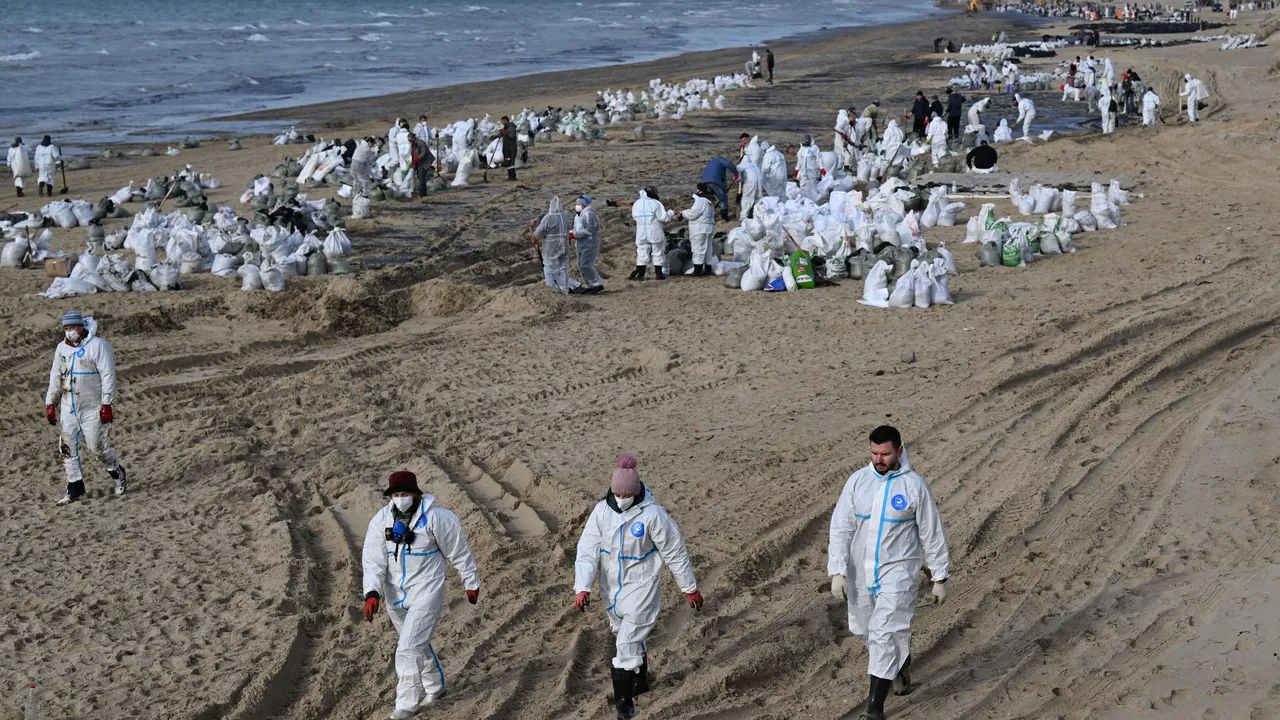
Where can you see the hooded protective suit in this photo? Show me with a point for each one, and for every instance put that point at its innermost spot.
(19, 161)
(774, 173)
(553, 231)
(410, 580)
(625, 552)
(1150, 106)
(754, 151)
(1003, 132)
(751, 184)
(83, 377)
(882, 529)
(844, 129)
(362, 161)
(1026, 113)
(46, 161)
(975, 113)
(651, 240)
(891, 143)
(586, 236)
(1104, 111)
(809, 170)
(702, 225)
(1194, 91)
(936, 132)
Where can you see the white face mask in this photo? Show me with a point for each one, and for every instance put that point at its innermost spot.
(73, 336)
(624, 503)
(403, 503)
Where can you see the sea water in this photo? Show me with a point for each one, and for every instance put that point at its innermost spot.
(99, 71)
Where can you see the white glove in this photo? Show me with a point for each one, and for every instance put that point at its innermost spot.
(838, 587)
(939, 592)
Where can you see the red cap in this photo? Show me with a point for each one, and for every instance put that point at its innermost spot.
(402, 481)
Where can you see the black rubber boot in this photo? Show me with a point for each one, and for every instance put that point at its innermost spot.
(875, 700)
(658, 274)
(624, 683)
(19, 191)
(642, 679)
(902, 683)
(638, 273)
(511, 173)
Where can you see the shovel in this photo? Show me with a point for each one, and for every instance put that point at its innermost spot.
(64, 189)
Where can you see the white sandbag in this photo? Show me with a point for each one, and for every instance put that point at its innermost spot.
(224, 266)
(462, 177)
(923, 284)
(361, 208)
(272, 279)
(875, 288)
(250, 278)
(1044, 199)
(937, 198)
(1086, 221)
(191, 263)
(336, 243)
(757, 273)
(947, 215)
(973, 230)
(789, 278)
(68, 287)
(909, 233)
(83, 210)
(1102, 210)
(308, 168)
(1116, 194)
(1026, 204)
(14, 254)
(166, 276)
(948, 260)
(941, 284)
(1068, 209)
(904, 291)
(123, 195)
(63, 215)
(42, 246)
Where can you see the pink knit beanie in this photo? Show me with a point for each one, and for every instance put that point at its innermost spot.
(626, 481)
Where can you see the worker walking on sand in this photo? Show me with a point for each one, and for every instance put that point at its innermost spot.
(83, 378)
(1193, 93)
(19, 162)
(405, 549)
(626, 541)
(884, 527)
(552, 234)
(1150, 106)
(47, 158)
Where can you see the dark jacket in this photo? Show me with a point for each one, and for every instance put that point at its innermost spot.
(982, 157)
(936, 107)
(955, 105)
(920, 109)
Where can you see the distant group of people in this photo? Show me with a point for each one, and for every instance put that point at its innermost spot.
(43, 163)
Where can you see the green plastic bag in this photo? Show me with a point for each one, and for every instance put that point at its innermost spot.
(802, 269)
(1011, 254)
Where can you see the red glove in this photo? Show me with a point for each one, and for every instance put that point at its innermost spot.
(105, 414)
(582, 600)
(473, 596)
(370, 608)
(51, 414)
(695, 599)
(571, 236)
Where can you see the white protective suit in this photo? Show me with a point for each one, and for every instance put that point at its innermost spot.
(754, 150)
(774, 173)
(936, 133)
(1108, 117)
(393, 147)
(553, 231)
(46, 161)
(1026, 113)
(586, 237)
(844, 129)
(1003, 133)
(423, 132)
(362, 161)
(702, 225)
(882, 529)
(19, 161)
(410, 580)
(1150, 106)
(891, 142)
(750, 182)
(625, 552)
(975, 115)
(651, 240)
(809, 170)
(1194, 91)
(84, 378)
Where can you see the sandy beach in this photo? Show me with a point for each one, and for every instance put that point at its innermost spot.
(1098, 429)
